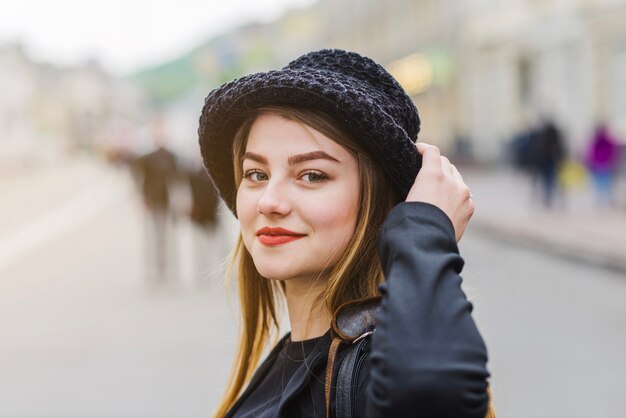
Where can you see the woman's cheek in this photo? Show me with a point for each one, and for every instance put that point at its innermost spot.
(246, 208)
(338, 217)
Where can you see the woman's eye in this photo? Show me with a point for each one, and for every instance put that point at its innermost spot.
(314, 177)
(255, 175)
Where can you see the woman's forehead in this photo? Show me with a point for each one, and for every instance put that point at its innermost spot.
(276, 135)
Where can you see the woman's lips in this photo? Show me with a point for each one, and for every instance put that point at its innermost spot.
(277, 236)
(278, 239)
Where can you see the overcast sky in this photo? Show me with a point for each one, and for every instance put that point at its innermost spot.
(125, 35)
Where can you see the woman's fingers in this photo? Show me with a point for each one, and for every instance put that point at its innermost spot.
(457, 176)
(430, 154)
(446, 166)
(432, 158)
(440, 183)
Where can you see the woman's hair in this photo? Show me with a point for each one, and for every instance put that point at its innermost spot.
(355, 276)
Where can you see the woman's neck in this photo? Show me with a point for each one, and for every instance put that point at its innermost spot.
(308, 319)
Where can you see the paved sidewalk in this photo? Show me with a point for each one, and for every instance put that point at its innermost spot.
(576, 228)
(40, 205)
(31, 194)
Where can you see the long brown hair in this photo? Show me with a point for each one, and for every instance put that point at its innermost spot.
(355, 276)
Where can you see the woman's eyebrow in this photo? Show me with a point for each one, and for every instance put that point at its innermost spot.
(294, 159)
(255, 157)
(315, 155)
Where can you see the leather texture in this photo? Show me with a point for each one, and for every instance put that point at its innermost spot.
(353, 323)
(354, 319)
(345, 393)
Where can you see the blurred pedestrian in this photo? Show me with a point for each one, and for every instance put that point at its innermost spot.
(203, 215)
(155, 172)
(603, 158)
(319, 165)
(548, 153)
(522, 150)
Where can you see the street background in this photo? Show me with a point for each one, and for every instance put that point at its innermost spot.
(97, 319)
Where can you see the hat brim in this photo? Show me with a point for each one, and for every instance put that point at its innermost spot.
(348, 101)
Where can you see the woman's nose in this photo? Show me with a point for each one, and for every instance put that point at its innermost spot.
(274, 201)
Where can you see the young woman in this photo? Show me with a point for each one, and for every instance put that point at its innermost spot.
(355, 228)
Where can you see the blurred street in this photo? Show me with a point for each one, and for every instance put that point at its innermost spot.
(508, 206)
(554, 329)
(84, 335)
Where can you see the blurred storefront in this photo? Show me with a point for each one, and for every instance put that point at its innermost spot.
(483, 69)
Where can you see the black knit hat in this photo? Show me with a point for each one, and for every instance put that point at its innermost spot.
(353, 90)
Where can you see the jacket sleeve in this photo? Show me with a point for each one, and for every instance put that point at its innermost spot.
(428, 358)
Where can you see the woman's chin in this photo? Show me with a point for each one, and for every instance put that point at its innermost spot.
(283, 274)
(273, 273)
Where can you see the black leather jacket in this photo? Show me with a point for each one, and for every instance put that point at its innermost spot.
(427, 358)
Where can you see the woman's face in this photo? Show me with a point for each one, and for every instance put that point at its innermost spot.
(298, 200)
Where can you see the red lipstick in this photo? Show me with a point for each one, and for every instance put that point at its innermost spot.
(277, 236)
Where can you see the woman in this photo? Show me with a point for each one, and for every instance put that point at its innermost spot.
(318, 162)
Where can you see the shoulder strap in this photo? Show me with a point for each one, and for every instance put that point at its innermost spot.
(348, 377)
(352, 324)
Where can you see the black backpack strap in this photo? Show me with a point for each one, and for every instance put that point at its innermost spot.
(348, 377)
(352, 324)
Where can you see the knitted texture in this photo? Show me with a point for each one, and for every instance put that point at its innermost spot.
(356, 92)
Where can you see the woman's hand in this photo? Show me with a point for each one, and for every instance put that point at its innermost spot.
(440, 183)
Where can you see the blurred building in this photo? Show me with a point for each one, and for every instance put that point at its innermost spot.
(480, 69)
(45, 109)
(561, 59)
(296, 32)
(18, 87)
